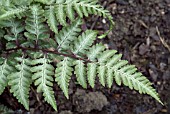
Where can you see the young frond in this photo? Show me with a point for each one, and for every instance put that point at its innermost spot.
(20, 81)
(63, 74)
(42, 76)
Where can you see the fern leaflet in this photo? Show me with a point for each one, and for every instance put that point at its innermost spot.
(63, 74)
(20, 81)
(43, 72)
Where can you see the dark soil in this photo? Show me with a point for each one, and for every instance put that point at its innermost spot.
(135, 35)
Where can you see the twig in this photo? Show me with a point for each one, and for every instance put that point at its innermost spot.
(38, 99)
(162, 40)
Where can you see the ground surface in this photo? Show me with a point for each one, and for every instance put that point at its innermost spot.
(136, 36)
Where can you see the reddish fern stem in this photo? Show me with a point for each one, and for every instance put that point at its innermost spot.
(48, 51)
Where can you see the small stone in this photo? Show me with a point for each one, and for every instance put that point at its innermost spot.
(153, 74)
(143, 49)
(86, 102)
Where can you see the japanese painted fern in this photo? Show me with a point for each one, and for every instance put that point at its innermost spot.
(31, 50)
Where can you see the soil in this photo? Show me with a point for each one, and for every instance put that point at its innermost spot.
(139, 27)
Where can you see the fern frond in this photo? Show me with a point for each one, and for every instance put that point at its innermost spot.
(135, 80)
(80, 72)
(112, 67)
(63, 74)
(51, 18)
(20, 81)
(5, 70)
(11, 12)
(34, 24)
(68, 34)
(84, 41)
(82, 7)
(43, 72)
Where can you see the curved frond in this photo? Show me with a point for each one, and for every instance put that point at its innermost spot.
(63, 74)
(20, 81)
(43, 72)
(111, 67)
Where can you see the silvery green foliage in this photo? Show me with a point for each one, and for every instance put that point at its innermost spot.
(37, 50)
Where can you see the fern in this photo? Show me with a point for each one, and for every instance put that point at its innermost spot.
(58, 52)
